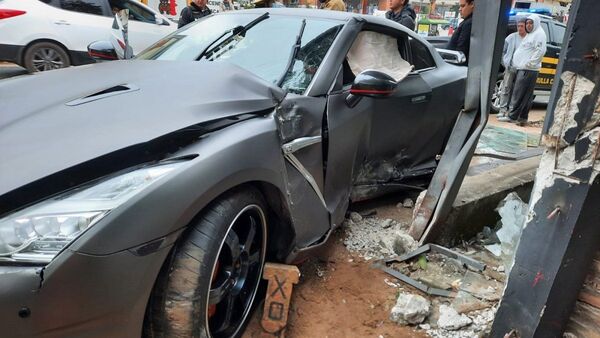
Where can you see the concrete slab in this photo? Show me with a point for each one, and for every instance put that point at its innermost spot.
(479, 196)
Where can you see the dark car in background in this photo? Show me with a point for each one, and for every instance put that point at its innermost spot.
(555, 32)
(144, 196)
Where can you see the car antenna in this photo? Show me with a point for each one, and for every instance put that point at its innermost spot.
(294, 53)
(238, 30)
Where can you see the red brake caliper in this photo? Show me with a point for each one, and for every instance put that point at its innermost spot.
(213, 307)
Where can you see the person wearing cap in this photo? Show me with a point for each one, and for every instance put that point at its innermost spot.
(196, 10)
(528, 61)
(510, 46)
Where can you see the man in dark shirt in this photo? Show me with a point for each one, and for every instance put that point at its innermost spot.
(401, 12)
(193, 12)
(461, 39)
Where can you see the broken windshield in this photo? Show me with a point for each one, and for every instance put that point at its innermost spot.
(263, 49)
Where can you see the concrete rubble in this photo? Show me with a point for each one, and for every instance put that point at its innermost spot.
(410, 309)
(374, 238)
(408, 203)
(471, 309)
(452, 320)
(513, 213)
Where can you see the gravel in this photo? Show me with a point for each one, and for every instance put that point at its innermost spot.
(375, 238)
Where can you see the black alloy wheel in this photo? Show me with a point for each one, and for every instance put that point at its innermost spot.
(208, 285)
(237, 273)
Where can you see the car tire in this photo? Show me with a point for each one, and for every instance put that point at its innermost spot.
(42, 56)
(495, 102)
(203, 289)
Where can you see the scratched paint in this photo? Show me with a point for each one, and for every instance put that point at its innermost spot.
(539, 276)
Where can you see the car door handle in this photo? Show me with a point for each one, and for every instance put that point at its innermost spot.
(61, 22)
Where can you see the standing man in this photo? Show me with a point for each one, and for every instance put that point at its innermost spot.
(528, 61)
(401, 12)
(333, 5)
(196, 10)
(511, 43)
(461, 39)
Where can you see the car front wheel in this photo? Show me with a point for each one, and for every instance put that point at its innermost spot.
(42, 56)
(208, 286)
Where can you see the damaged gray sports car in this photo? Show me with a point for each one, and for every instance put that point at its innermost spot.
(143, 197)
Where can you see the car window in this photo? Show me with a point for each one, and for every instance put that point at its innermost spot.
(315, 43)
(54, 3)
(377, 51)
(136, 12)
(420, 55)
(559, 34)
(264, 50)
(546, 29)
(83, 6)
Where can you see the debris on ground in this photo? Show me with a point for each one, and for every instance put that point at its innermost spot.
(387, 223)
(410, 309)
(374, 238)
(513, 212)
(452, 320)
(480, 287)
(472, 294)
(408, 203)
(355, 217)
(465, 303)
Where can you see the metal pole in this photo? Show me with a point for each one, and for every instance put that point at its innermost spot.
(561, 234)
(487, 40)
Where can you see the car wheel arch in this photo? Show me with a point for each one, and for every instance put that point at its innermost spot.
(278, 226)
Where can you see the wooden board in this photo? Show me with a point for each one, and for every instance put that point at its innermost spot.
(585, 319)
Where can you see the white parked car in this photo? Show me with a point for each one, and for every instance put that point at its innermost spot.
(48, 34)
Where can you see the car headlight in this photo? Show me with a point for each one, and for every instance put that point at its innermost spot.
(39, 232)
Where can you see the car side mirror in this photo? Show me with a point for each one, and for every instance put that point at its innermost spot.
(370, 83)
(159, 20)
(102, 51)
(453, 56)
(373, 83)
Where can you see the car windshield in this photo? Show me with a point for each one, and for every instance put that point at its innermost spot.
(264, 49)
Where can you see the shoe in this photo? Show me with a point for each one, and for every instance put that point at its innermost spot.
(500, 115)
(506, 119)
(522, 123)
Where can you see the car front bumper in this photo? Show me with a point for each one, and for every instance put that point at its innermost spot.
(79, 295)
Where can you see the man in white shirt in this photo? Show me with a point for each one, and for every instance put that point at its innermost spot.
(510, 46)
(528, 61)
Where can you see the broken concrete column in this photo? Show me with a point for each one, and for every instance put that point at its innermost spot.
(561, 233)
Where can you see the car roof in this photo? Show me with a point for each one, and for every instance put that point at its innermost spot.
(513, 18)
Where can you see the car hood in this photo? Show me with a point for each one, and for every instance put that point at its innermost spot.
(59, 119)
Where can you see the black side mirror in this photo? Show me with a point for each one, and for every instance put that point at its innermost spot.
(102, 50)
(373, 83)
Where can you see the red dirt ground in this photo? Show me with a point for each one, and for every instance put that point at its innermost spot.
(341, 295)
